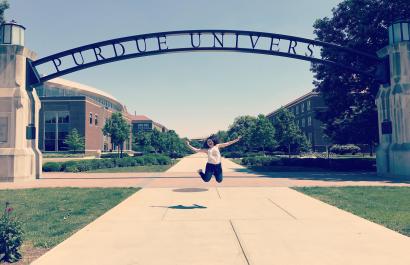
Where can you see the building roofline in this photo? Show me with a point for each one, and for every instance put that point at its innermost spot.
(159, 125)
(138, 118)
(293, 102)
(71, 85)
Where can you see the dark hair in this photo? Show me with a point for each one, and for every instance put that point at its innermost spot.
(214, 139)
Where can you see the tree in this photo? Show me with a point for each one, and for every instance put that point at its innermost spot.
(74, 141)
(161, 142)
(143, 142)
(288, 134)
(242, 126)
(360, 25)
(4, 5)
(263, 134)
(118, 129)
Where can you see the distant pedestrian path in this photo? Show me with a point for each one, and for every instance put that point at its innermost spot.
(196, 161)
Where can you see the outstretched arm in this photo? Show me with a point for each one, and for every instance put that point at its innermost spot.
(196, 150)
(222, 145)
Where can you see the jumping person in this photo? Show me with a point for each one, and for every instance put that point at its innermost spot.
(213, 166)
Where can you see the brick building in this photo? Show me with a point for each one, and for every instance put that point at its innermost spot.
(66, 105)
(304, 109)
(141, 123)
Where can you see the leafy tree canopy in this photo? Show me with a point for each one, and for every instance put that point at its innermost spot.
(74, 141)
(118, 129)
(288, 134)
(4, 5)
(363, 25)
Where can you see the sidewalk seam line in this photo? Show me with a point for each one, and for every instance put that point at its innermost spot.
(165, 213)
(277, 205)
(239, 241)
(217, 190)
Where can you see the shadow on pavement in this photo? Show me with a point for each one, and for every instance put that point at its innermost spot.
(183, 207)
(190, 190)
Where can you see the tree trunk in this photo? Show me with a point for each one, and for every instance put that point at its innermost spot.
(371, 149)
(289, 150)
(328, 152)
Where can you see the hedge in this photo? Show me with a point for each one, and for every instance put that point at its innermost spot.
(113, 155)
(345, 164)
(345, 149)
(92, 164)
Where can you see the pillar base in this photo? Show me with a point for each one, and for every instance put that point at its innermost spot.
(393, 160)
(400, 159)
(17, 165)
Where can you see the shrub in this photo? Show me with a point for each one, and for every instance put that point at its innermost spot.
(176, 155)
(139, 161)
(52, 167)
(64, 165)
(347, 164)
(71, 168)
(113, 155)
(233, 154)
(163, 160)
(11, 236)
(82, 166)
(124, 162)
(345, 149)
(261, 161)
(91, 164)
(150, 160)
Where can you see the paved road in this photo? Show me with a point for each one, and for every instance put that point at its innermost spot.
(224, 225)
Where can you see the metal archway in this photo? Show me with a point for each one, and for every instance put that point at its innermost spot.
(194, 41)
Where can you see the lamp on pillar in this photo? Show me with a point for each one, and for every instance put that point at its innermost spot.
(399, 31)
(12, 33)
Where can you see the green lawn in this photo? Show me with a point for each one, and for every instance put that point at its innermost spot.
(152, 168)
(51, 215)
(388, 206)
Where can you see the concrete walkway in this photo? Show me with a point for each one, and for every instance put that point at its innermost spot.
(228, 225)
(196, 161)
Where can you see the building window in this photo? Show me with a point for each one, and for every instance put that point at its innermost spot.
(57, 126)
(63, 117)
(308, 105)
(50, 117)
(309, 121)
(310, 137)
(298, 122)
(302, 108)
(146, 126)
(91, 119)
(303, 122)
(96, 120)
(297, 109)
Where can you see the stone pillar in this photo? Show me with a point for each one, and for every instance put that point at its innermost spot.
(393, 104)
(20, 158)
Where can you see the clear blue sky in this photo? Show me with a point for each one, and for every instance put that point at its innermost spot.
(193, 93)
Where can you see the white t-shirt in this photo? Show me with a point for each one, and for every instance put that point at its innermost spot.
(214, 156)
